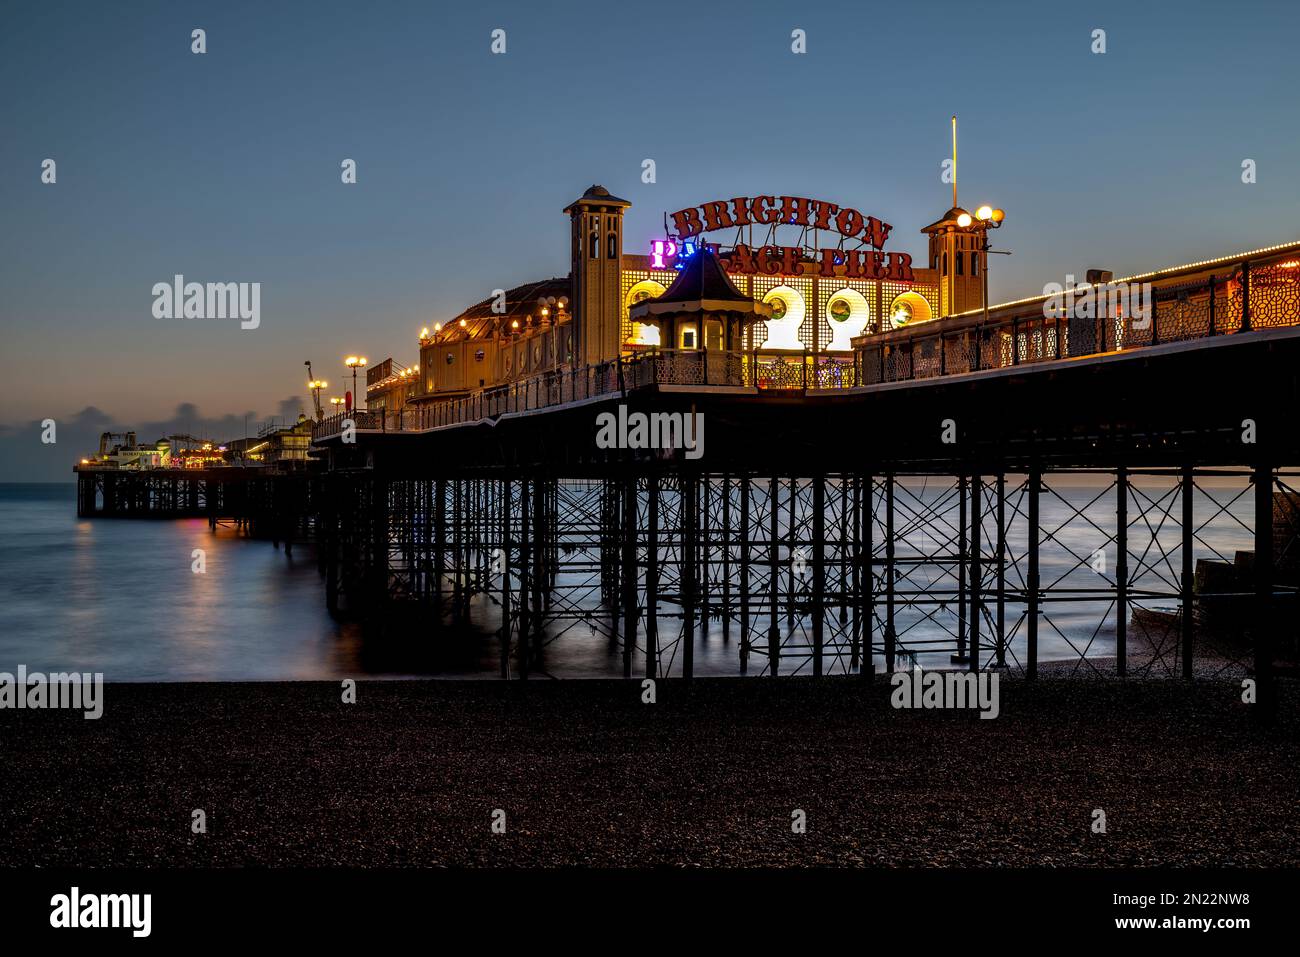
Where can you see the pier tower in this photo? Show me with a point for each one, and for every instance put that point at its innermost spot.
(954, 252)
(596, 226)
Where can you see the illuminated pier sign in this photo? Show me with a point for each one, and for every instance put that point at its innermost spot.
(770, 259)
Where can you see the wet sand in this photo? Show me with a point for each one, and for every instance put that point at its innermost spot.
(708, 776)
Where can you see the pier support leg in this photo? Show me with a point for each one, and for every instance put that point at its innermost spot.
(962, 554)
(842, 549)
(726, 559)
(690, 537)
(525, 570)
(866, 607)
(439, 547)
(1189, 573)
(745, 532)
(537, 572)
(976, 569)
(328, 541)
(793, 534)
(379, 518)
(1265, 620)
(853, 546)
(1001, 559)
(1031, 578)
(773, 579)
(819, 574)
(1121, 571)
(629, 570)
(652, 578)
(458, 548)
(705, 551)
(891, 635)
(505, 579)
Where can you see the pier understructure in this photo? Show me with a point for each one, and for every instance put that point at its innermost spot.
(1128, 511)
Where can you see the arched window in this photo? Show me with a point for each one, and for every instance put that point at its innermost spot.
(612, 252)
(593, 246)
(974, 264)
(960, 257)
(945, 263)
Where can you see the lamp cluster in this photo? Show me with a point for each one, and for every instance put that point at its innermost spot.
(987, 215)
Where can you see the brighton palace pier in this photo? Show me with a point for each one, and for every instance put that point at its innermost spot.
(891, 472)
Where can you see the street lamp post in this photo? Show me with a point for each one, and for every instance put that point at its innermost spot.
(316, 385)
(986, 218)
(354, 363)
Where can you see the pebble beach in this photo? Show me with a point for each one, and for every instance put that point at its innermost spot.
(711, 774)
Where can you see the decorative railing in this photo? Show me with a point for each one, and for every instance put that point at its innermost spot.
(668, 367)
(1246, 296)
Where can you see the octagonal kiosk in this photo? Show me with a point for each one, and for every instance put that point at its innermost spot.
(700, 323)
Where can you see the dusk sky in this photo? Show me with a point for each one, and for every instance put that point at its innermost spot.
(226, 166)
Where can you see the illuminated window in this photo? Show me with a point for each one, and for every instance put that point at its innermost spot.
(848, 314)
(788, 312)
(639, 290)
(713, 335)
(643, 290)
(910, 307)
(646, 334)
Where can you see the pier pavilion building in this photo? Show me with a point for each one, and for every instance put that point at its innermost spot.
(832, 307)
(827, 283)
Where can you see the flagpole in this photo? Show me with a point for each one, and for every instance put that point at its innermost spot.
(954, 162)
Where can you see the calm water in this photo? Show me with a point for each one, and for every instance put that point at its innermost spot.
(119, 596)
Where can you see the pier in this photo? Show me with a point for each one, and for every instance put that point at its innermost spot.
(842, 514)
(795, 536)
(260, 502)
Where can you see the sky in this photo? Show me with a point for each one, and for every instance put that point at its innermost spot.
(225, 166)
